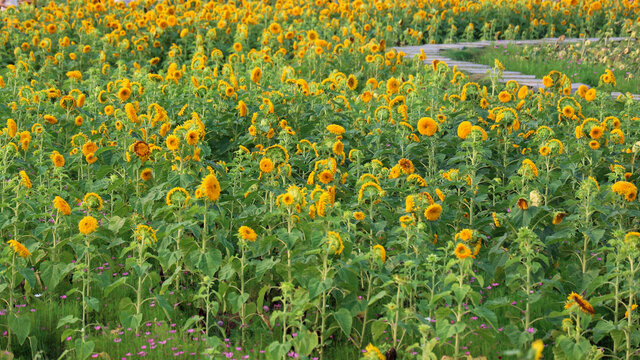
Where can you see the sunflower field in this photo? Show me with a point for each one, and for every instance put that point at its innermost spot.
(273, 180)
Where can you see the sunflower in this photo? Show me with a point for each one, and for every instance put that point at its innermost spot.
(89, 148)
(173, 142)
(192, 137)
(256, 74)
(178, 197)
(596, 132)
(547, 81)
(91, 158)
(338, 148)
(358, 215)
(19, 249)
(427, 126)
(266, 165)
(26, 182)
(211, 187)
(432, 213)
(141, 149)
(335, 129)
(538, 347)
(393, 85)
(325, 176)
(463, 252)
(372, 351)
(88, 225)
(61, 205)
(544, 150)
(632, 236)
(464, 129)
(626, 189)
(594, 144)
(57, 160)
(590, 95)
(568, 111)
(247, 233)
(576, 299)
(496, 220)
(123, 94)
(352, 82)
(406, 166)
(504, 96)
(464, 235)
(145, 174)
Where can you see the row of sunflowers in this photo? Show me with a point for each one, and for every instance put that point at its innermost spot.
(272, 180)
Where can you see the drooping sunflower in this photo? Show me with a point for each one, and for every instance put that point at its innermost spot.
(247, 233)
(523, 204)
(558, 217)
(25, 181)
(61, 205)
(335, 242)
(93, 201)
(432, 213)
(381, 252)
(177, 197)
(358, 215)
(211, 187)
(88, 225)
(576, 299)
(145, 234)
(19, 249)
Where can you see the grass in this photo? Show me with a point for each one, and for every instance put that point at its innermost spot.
(527, 60)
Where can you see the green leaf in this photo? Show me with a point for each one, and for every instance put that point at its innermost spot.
(29, 275)
(486, 314)
(94, 303)
(377, 297)
(377, 329)
(20, 326)
(344, 319)
(305, 342)
(69, 319)
(84, 349)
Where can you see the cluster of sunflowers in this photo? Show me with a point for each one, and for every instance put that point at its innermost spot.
(233, 155)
